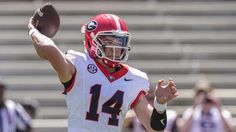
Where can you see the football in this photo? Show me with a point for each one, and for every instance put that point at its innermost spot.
(47, 20)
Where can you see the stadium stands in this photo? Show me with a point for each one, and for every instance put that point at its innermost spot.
(186, 41)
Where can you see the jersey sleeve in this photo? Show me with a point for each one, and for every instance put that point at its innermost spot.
(71, 55)
(141, 88)
(78, 60)
(70, 84)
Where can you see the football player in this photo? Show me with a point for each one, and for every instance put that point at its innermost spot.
(99, 87)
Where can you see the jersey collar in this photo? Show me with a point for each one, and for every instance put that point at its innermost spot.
(113, 76)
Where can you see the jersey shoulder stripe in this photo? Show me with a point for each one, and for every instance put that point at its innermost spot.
(137, 98)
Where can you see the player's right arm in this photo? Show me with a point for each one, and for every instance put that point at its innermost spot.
(46, 49)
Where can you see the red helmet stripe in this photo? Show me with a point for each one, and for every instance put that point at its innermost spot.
(116, 19)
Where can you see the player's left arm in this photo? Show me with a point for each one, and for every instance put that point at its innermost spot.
(154, 118)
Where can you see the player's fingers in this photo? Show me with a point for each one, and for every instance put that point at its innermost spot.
(35, 40)
(160, 83)
(31, 20)
(173, 89)
(30, 24)
(175, 95)
(171, 82)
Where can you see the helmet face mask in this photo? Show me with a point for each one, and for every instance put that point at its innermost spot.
(107, 38)
(113, 46)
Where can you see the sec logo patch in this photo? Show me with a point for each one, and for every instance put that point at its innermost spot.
(92, 68)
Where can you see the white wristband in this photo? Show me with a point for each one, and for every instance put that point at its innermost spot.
(33, 30)
(158, 106)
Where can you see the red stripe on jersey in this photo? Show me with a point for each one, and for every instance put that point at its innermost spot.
(72, 83)
(137, 99)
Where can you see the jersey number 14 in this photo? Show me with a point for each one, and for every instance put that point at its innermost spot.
(111, 106)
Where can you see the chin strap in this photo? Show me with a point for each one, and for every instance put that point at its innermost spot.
(110, 64)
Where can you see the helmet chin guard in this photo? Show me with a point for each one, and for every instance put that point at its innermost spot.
(110, 63)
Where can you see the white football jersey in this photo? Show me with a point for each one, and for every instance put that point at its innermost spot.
(97, 100)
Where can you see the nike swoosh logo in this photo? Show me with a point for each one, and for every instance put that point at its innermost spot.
(126, 79)
(162, 122)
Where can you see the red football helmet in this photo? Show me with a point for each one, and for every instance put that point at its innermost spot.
(107, 37)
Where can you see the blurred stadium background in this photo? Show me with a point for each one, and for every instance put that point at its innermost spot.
(187, 40)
